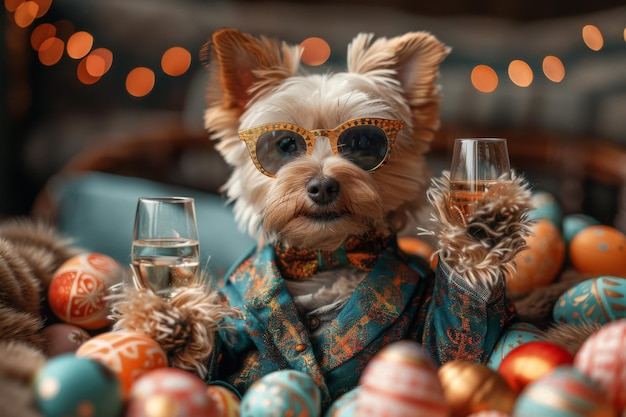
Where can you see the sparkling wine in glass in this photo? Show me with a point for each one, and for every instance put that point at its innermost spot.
(477, 165)
(165, 249)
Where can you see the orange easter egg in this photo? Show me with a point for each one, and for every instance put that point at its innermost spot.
(472, 387)
(540, 263)
(78, 289)
(227, 403)
(129, 354)
(415, 246)
(599, 250)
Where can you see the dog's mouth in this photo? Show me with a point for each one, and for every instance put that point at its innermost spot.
(325, 216)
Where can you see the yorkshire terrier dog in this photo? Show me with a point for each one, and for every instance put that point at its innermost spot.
(327, 170)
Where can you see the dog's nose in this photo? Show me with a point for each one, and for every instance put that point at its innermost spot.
(322, 190)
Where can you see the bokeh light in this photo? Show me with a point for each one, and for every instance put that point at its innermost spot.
(484, 78)
(176, 61)
(79, 44)
(98, 62)
(41, 33)
(26, 13)
(593, 37)
(51, 51)
(553, 69)
(44, 6)
(520, 73)
(624, 34)
(11, 5)
(83, 74)
(316, 51)
(140, 81)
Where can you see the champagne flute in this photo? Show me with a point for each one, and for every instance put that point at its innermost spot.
(165, 249)
(477, 165)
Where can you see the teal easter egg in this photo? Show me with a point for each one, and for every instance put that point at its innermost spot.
(345, 405)
(596, 300)
(281, 394)
(515, 335)
(574, 223)
(546, 207)
(564, 392)
(72, 386)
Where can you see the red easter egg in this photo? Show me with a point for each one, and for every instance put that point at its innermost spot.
(129, 354)
(173, 393)
(78, 289)
(601, 357)
(532, 360)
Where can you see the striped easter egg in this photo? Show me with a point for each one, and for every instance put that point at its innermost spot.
(601, 357)
(565, 392)
(515, 335)
(401, 381)
(596, 300)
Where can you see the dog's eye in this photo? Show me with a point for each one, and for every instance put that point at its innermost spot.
(287, 145)
(366, 146)
(277, 147)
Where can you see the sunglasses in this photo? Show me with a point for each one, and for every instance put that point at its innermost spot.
(366, 142)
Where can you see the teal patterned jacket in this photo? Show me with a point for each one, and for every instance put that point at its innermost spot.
(401, 298)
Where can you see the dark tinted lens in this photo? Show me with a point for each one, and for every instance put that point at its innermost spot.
(275, 148)
(366, 146)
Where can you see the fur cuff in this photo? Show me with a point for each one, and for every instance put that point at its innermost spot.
(483, 247)
(183, 325)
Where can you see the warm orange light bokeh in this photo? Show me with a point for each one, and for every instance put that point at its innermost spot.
(176, 61)
(484, 78)
(316, 51)
(98, 62)
(83, 74)
(26, 13)
(593, 37)
(44, 6)
(41, 33)
(51, 51)
(553, 68)
(79, 44)
(11, 5)
(140, 81)
(520, 73)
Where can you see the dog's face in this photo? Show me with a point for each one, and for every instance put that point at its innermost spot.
(318, 158)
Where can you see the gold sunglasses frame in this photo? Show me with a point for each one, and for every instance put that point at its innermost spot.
(389, 126)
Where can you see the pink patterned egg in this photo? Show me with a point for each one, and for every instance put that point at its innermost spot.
(129, 354)
(601, 357)
(227, 403)
(170, 392)
(78, 289)
(401, 381)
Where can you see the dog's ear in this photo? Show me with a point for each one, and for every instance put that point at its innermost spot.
(242, 66)
(412, 60)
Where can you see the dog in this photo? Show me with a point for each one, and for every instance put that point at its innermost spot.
(327, 169)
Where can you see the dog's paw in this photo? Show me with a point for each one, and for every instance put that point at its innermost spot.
(483, 245)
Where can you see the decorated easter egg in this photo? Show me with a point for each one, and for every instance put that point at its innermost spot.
(601, 357)
(599, 250)
(574, 223)
(226, 402)
(170, 392)
(401, 380)
(540, 263)
(129, 354)
(530, 361)
(345, 405)
(63, 338)
(72, 386)
(78, 289)
(564, 392)
(596, 300)
(546, 207)
(282, 393)
(472, 387)
(419, 247)
(515, 335)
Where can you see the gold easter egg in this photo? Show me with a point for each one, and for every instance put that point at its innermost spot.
(472, 387)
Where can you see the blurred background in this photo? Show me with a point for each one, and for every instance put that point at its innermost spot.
(117, 87)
